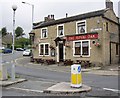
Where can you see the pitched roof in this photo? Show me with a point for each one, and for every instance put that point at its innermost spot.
(72, 18)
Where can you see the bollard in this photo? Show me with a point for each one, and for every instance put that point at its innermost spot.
(3, 73)
(76, 77)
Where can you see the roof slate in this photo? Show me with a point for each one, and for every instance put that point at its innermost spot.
(72, 18)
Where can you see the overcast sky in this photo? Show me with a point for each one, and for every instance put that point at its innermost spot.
(43, 8)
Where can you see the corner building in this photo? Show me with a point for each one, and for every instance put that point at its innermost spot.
(92, 36)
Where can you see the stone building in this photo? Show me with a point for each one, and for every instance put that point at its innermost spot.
(92, 37)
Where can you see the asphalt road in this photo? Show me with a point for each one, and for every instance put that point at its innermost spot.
(101, 85)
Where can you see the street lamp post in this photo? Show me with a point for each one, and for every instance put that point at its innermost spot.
(14, 7)
(32, 11)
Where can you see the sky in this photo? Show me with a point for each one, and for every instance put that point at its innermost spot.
(43, 8)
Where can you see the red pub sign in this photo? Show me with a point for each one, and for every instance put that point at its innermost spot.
(82, 37)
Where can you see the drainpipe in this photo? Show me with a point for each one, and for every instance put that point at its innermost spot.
(119, 41)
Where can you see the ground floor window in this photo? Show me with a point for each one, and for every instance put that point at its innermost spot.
(44, 49)
(81, 48)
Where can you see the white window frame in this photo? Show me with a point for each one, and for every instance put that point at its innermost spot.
(77, 26)
(44, 49)
(58, 30)
(42, 33)
(81, 48)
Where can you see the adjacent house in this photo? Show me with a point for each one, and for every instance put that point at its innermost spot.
(92, 37)
(7, 40)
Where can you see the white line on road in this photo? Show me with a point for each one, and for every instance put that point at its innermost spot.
(28, 90)
(114, 90)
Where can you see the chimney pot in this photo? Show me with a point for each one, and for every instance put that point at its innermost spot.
(109, 4)
(66, 15)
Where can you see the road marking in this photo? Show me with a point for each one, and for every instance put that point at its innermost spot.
(28, 90)
(114, 90)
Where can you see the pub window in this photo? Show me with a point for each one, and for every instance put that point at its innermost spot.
(44, 33)
(41, 49)
(60, 30)
(81, 48)
(77, 48)
(44, 49)
(117, 49)
(85, 48)
(81, 27)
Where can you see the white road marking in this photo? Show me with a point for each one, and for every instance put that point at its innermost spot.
(28, 90)
(114, 90)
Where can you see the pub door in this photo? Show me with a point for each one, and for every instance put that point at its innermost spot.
(61, 52)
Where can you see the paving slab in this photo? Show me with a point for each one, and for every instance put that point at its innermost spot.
(64, 87)
(10, 82)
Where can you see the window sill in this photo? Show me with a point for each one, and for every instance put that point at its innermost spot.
(44, 38)
(60, 35)
(80, 33)
(81, 56)
(117, 55)
(44, 55)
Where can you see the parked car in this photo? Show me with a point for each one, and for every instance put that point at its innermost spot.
(19, 49)
(7, 50)
(27, 52)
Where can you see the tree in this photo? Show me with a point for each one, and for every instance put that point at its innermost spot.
(22, 43)
(19, 32)
(3, 31)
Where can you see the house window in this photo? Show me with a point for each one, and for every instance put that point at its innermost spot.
(81, 27)
(44, 49)
(60, 30)
(44, 33)
(117, 49)
(81, 48)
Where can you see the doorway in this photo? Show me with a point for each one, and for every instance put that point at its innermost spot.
(61, 52)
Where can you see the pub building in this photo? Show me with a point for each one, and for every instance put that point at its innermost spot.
(92, 36)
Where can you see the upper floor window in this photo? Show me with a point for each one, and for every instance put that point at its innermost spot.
(44, 33)
(81, 27)
(60, 30)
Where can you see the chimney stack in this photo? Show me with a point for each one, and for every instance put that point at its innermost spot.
(49, 18)
(109, 4)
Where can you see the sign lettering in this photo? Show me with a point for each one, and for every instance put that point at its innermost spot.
(82, 37)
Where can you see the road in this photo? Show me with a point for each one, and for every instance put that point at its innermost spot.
(40, 79)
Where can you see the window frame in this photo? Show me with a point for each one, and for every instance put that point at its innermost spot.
(46, 33)
(58, 30)
(81, 48)
(77, 26)
(44, 49)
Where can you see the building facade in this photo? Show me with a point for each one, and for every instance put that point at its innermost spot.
(92, 36)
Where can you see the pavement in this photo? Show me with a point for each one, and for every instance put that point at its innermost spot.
(9, 82)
